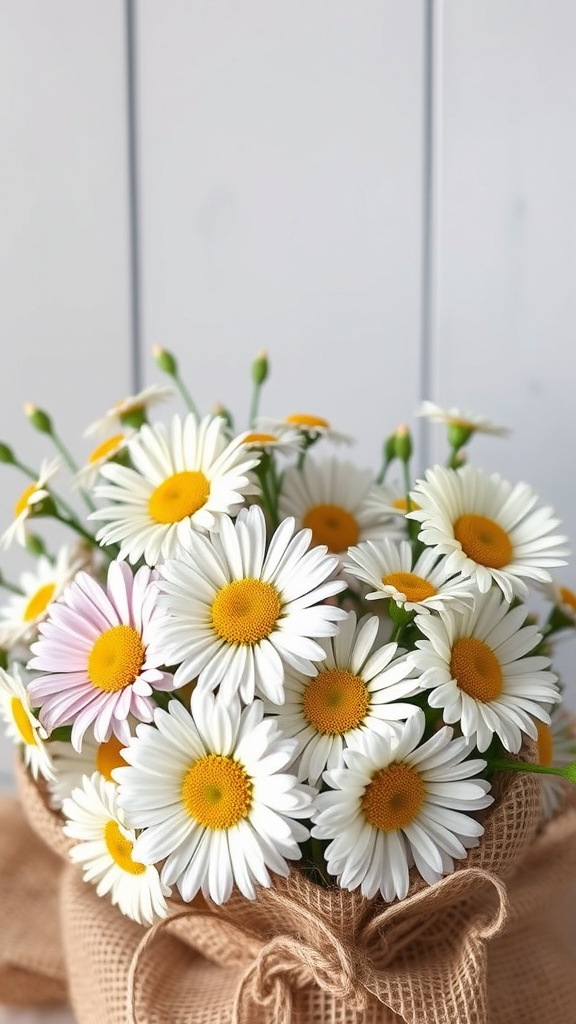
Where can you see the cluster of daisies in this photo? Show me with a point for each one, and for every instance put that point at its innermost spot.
(254, 652)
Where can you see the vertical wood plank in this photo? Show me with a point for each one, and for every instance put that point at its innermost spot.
(64, 289)
(281, 185)
(507, 239)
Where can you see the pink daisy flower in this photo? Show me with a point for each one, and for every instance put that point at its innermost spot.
(93, 648)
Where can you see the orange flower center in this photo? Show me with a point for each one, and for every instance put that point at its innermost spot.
(333, 526)
(476, 669)
(394, 797)
(217, 792)
(414, 588)
(483, 540)
(179, 496)
(245, 611)
(335, 701)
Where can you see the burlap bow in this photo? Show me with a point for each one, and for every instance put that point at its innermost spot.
(433, 943)
(454, 953)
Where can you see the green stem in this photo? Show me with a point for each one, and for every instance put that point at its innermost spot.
(64, 452)
(254, 404)
(191, 404)
(568, 772)
(11, 587)
(32, 473)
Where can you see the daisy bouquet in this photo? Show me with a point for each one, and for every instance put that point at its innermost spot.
(257, 678)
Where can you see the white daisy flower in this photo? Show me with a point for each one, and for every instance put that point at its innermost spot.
(394, 500)
(20, 617)
(132, 405)
(397, 804)
(488, 528)
(556, 747)
(339, 502)
(307, 424)
(283, 442)
(390, 570)
(25, 506)
(564, 600)
(179, 484)
(466, 421)
(87, 476)
(475, 663)
(357, 689)
(105, 849)
(210, 793)
(22, 726)
(71, 765)
(238, 612)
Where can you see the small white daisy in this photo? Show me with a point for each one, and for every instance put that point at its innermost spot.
(477, 664)
(132, 405)
(397, 804)
(22, 726)
(87, 476)
(180, 483)
(309, 425)
(95, 658)
(20, 617)
(489, 529)
(465, 421)
(105, 848)
(70, 764)
(564, 600)
(357, 689)
(283, 442)
(25, 506)
(390, 570)
(337, 500)
(238, 611)
(210, 793)
(556, 747)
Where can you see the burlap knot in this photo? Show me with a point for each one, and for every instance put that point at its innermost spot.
(379, 962)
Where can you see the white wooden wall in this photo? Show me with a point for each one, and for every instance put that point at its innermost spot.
(378, 192)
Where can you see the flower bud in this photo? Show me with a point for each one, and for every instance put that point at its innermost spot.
(459, 434)
(165, 361)
(402, 443)
(6, 453)
(260, 368)
(39, 419)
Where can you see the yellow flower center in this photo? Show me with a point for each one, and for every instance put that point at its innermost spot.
(476, 669)
(307, 421)
(217, 792)
(483, 540)
(24, 499)
(22, 722)
(39, 602)
(402, 505)
(116, 658)
(179, 496)
(245, 611)
(394, 797)
(568, 597)
(105, 448)
(335, 701)
(260, 439)
(333, 526)
(545, 743)
(109, 757)
(415, 588)
(120, 849)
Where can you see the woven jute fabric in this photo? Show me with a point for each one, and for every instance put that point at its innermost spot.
(483, 946)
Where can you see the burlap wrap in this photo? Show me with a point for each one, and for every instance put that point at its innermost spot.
(488, 944)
